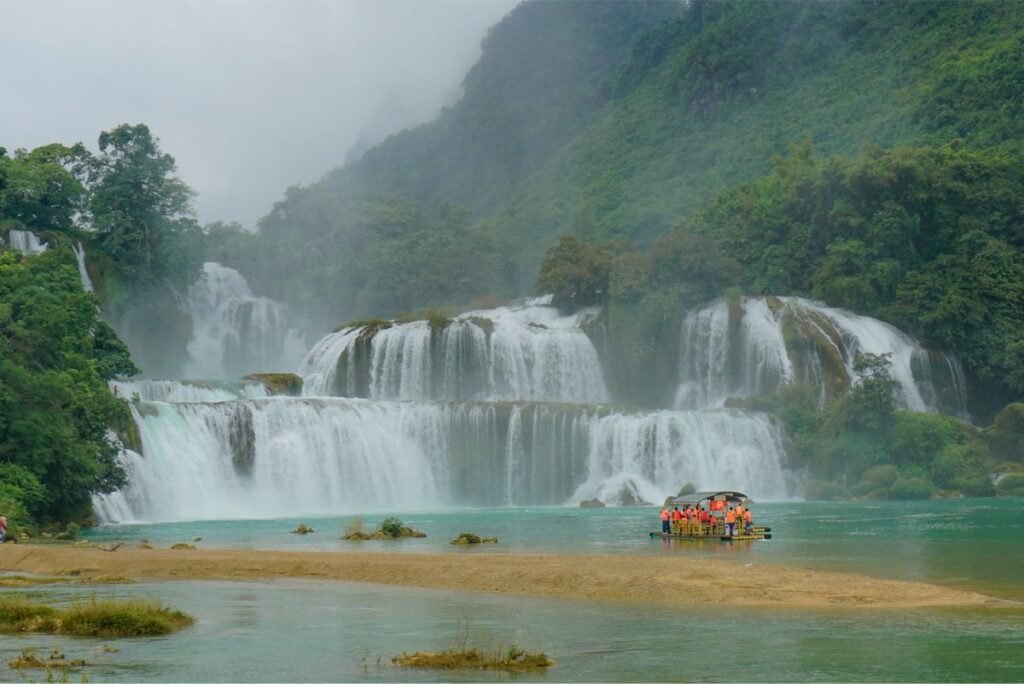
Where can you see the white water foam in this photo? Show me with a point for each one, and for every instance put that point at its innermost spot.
(789, 339)
(293, 456)
(525, 352)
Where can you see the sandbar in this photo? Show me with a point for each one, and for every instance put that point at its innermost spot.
(635, 579)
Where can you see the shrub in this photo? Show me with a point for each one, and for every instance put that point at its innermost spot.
(97, 618)
(880, 477)
(70, 532)
(1007, 433)
(825, 491)
(920, 437)
(392, 526)
(1011, 485)
(576, 273)
(964, 467)
(978, 485)
(911, 488)
(122, 618)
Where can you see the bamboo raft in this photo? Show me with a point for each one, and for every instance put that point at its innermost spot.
(716, 501)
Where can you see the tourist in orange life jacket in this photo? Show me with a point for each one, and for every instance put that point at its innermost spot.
(748, 520)
(730, 520)
(665, 517)
(677, 517)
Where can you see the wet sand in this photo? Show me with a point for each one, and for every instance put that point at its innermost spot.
(641, 579)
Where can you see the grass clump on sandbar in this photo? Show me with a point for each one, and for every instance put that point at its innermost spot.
(95, 618)
(463, 656)
(390, 528)
(512, 660)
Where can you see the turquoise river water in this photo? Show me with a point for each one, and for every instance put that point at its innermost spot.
(298, 630)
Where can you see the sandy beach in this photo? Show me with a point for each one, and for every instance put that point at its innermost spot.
(618, 578)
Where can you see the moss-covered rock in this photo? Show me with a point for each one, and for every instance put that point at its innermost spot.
(1011, 484)
(303, 528)
(911, 488)
(372, 324)
(825, 491)
(592, 503)
(1006, 436)
(279, 384)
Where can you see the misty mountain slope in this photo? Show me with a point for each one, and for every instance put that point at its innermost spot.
(545, 70)
(617, 119)
(704, 107)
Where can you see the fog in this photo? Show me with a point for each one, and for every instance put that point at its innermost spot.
(250, 98)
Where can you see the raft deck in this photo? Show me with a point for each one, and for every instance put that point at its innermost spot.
(762, 533)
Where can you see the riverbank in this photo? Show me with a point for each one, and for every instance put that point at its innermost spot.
(645, 579)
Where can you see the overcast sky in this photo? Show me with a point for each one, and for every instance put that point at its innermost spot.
(249, 97)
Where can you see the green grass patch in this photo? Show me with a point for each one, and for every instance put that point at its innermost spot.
(95, 618)
(15, 581)
(512, 660)
(463, 656)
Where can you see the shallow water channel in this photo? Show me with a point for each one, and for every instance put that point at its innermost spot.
(305, 630)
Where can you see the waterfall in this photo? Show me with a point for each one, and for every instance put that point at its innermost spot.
(527, 352)
(187, 390)
(286, 456)
(82, 273)
(757, 345)
(234, 332)
(26, 242)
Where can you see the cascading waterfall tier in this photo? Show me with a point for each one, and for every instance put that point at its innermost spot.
(526, 352)
(181, 391)
(756, 345)
(26, 242)
(298, 456)
(234, 332)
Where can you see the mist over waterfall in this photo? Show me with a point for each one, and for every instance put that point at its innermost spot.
(500, 407)
(290, 456)
(235, 332)
(527, 352)
(756, 345)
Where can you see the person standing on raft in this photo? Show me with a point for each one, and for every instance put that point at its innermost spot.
(665, 517)
(730, 521)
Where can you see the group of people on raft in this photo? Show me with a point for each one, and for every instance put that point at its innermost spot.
(699, 522)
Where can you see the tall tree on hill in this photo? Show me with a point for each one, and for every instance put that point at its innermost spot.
(142, 210)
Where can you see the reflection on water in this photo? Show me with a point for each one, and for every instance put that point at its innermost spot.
(335, 631)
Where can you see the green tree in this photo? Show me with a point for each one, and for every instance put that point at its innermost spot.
(43, 189)
(55, 409)
(576, 273)
(141, 209)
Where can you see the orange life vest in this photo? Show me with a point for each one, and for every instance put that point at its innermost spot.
(664, 514)
(730, 516)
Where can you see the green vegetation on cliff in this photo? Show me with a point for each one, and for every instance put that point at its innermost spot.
(55, 358)
(615, 120)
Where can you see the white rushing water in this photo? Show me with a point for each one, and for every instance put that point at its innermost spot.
(295, 456)
(235, 332)
(180, 391)
(83, 274)
(526, 352)
(776, 341)
(26, 242)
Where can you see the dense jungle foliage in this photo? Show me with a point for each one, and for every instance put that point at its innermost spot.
(56, 354)
(55, 408)
(614, 120)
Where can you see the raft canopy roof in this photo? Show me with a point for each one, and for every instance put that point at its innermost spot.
(697, 497)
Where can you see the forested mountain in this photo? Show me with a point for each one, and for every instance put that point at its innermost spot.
(615, 120)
